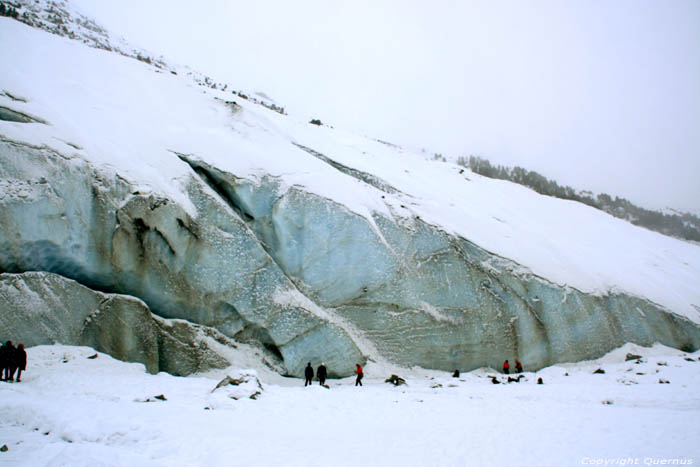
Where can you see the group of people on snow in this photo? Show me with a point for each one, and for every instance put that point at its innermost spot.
(322, 374)
(12, 359)
(518, 367)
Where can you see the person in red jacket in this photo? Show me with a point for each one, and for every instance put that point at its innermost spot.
(518, 366)
(506, 367)
(359, 374)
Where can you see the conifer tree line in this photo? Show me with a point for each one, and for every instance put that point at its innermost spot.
(8, 10)
(681, 225)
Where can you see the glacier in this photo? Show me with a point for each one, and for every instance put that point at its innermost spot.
(193, 215)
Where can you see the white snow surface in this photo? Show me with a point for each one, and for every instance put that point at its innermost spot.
(129, 116)
(70, 410)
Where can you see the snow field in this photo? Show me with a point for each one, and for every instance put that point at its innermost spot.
(71, 410)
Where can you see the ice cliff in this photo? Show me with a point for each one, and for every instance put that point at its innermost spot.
(223, 217)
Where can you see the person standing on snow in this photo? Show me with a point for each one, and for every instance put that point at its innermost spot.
(4, 361)
(359, 374)
(20, 361)
(322, 374)
(518, 366)
(309, 374)
(506, 367)
(11, 361)
(7, 355)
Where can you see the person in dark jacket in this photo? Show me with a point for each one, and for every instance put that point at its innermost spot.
(3, 360)
(7, 356)
(360, 375)
(11, 361)
(518, 366)
(309, 374)
(322, 374)
(506, 367)
(20, 361)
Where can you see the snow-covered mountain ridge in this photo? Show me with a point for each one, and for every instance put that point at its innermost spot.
(62, 18)
(311, 241)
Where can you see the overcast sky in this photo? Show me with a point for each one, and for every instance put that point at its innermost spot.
(596, 94)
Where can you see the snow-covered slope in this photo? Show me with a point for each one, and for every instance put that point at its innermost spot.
(350, 223)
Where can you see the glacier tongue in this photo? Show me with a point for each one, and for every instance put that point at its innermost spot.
(299, 275)
(282, 235)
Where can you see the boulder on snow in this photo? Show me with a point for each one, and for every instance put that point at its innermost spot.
(631, 356)
(247, 384)
(159, 397)
(229, 381)
(599, 371)
(395, 380)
